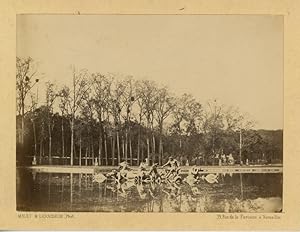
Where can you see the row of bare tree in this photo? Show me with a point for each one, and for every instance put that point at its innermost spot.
(114, 119)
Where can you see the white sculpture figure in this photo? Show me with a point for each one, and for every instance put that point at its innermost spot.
(147, 161)
(230, 159)
(220, 162)
(34, 160)
(187, 163)
(99, 177)
(211, 178)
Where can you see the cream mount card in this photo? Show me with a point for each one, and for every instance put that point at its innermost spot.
(150, 115)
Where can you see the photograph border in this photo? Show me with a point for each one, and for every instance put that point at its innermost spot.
(289, 219)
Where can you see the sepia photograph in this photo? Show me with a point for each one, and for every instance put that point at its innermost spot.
(149, 113)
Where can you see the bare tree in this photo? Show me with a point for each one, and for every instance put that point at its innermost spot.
(116, 107)
(102, 91)
(187, 117)
(163, 109)
(213, 123)
(238, 121)
(141, 112)
(25, 74)
(127, 100)
(148, 99)
(87, 111)
(193, 115)
(72, 99)
(50, 97)
(64, 98)
(33, 109)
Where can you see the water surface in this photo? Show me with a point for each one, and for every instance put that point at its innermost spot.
(78, 193)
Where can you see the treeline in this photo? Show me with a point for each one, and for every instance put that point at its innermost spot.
(102, 119)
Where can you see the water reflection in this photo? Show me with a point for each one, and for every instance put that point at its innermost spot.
(78, 192)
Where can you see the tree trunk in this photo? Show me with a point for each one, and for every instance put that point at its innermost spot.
(123, 148)
(139, 141)
(41, 151)
(159, 147)
(80, 148)
(105, 150)
(63, 139)
(74, 152)
(50, 143)
(153, 148)
(213, 145)
(22, 123)
(240, 146)
(142, 154)
(22, 130)
(72, 141)
(113, 150)
(100, 150)
(34, 136)
(130, 151)
(43, 148)
(41, 142)
(126, 145)
(162, 153)
(148, 150)
(86, 151)
(92, 150)
(160, 150)
(118, 147)
(139, 147)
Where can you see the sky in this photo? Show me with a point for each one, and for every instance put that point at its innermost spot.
(236, 59)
